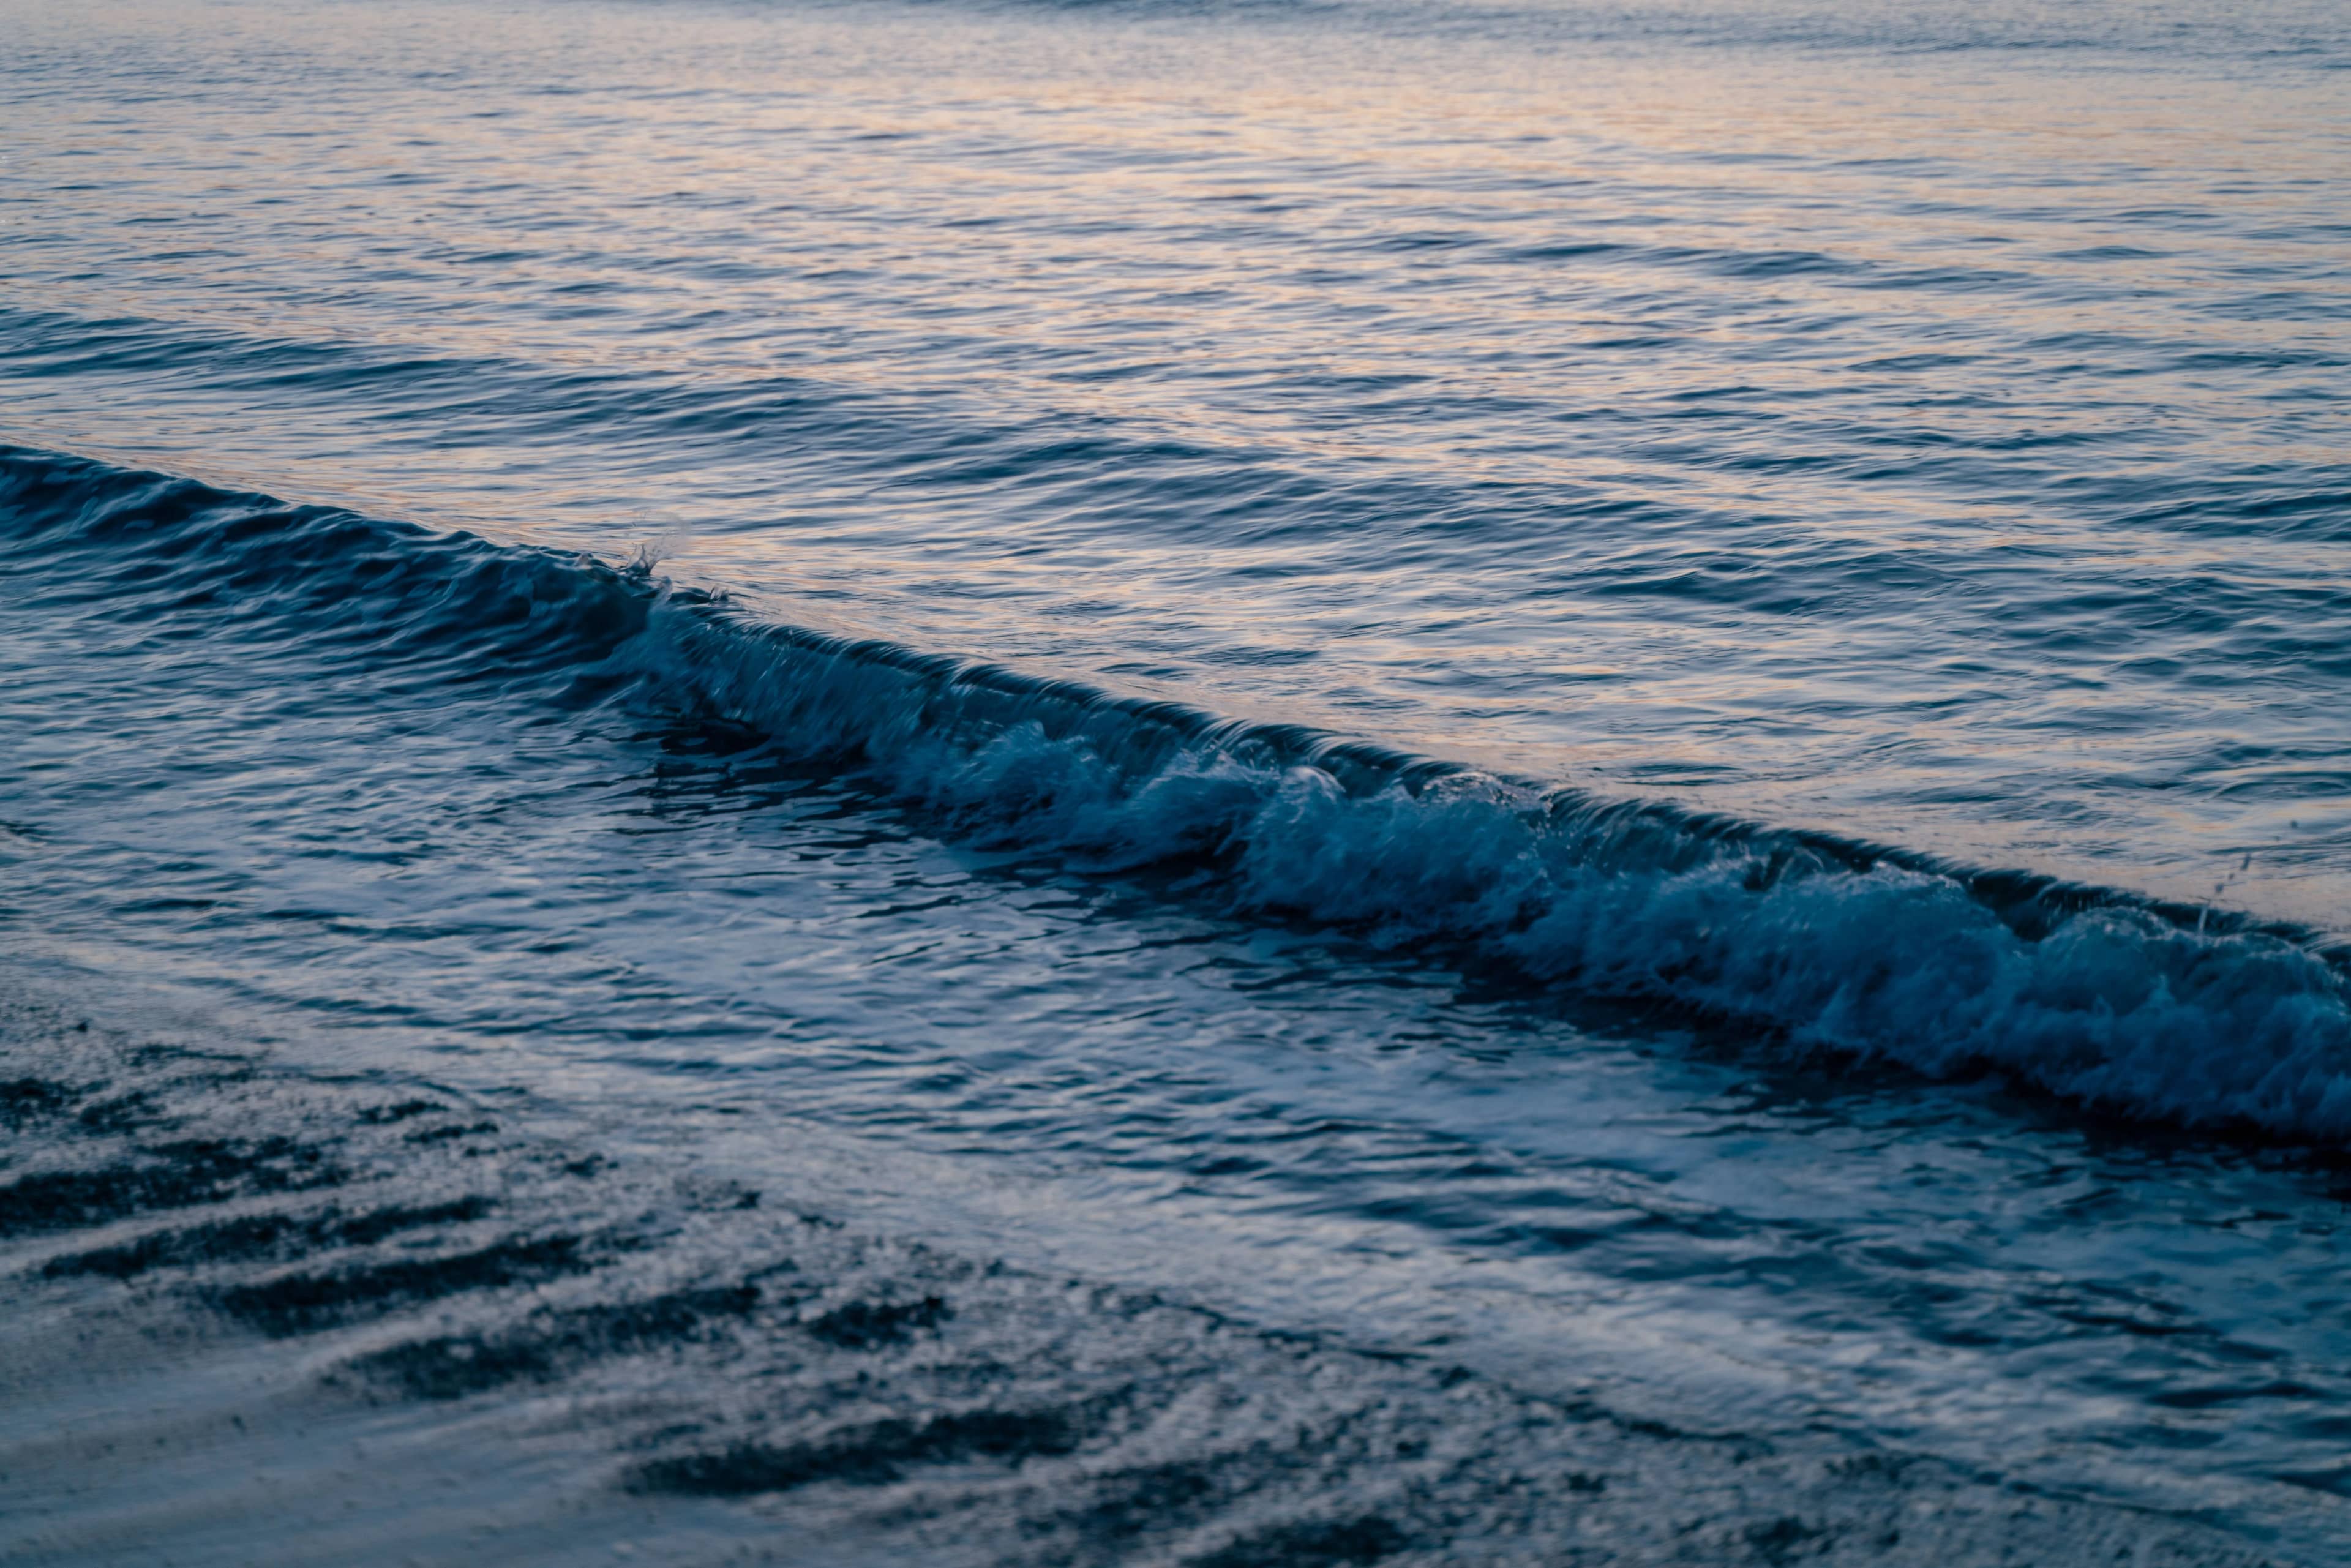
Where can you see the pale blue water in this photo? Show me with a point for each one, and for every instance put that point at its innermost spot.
(1619, 729)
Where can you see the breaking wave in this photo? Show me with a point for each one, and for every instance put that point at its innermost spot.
(2160, 1010)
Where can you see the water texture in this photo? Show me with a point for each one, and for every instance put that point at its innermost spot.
(1226, 783)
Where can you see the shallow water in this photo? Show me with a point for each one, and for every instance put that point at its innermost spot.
(1649, 865)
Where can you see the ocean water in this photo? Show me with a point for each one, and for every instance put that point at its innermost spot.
(1233, 783)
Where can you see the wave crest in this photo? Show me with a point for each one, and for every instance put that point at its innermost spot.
(2155, 1009)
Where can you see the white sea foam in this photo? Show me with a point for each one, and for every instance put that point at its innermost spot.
(2103, 998)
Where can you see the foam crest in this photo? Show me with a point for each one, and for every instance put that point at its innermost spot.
(2151, 1009)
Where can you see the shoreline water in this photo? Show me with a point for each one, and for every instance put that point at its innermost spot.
(1387, 783)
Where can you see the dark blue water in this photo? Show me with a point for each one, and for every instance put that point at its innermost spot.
(1229, 784)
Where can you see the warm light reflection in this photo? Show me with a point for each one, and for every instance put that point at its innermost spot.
(1546, 398)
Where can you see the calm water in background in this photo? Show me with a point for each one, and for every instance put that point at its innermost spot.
(1590, 611)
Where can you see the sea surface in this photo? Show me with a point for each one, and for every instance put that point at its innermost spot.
(1247, 783)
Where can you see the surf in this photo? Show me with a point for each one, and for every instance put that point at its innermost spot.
(2184, 1014)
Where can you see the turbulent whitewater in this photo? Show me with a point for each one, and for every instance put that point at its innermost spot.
(1214, 784)
(2162, 1011)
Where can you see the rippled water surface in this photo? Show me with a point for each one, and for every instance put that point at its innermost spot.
(1229, 783)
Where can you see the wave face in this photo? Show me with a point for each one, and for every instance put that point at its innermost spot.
(2159, 1012)
(2188, 1015)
